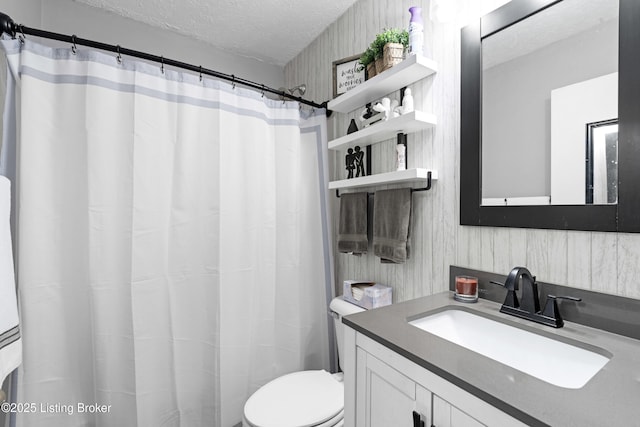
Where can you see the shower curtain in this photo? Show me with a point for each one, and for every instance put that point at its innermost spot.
(172, 243)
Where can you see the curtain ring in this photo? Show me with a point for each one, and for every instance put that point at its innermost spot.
(73, 46)
(233, 81)
(21, 36)
(262, 93)
(201, 73)
(162, 64)
(119, 57)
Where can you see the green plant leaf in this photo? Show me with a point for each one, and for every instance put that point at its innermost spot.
(390, 35)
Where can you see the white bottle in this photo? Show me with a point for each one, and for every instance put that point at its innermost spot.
(401, 158)
(416, 31)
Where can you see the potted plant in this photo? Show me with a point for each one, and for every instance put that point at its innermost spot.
(389, 47)
(377, 46)
(368, 60)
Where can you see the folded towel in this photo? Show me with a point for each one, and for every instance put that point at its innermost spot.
(10, 343)
(352, 230)
(391, 224)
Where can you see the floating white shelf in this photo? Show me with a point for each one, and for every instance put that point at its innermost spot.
(381, 131)
(412, 69)
(396, 177)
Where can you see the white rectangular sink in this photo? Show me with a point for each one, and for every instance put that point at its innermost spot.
(555, 362)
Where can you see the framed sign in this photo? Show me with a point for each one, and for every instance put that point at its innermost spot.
(347, 74)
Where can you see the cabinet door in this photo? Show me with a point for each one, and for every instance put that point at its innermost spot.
(383, 389)
(447, 415)
(385, 396)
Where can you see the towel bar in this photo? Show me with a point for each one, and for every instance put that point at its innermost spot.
(413, 190)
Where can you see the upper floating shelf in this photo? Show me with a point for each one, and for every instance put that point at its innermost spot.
(412, 69)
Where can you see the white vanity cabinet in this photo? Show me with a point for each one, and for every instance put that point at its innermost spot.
(447, 415)
(386, 397)
(383, 388)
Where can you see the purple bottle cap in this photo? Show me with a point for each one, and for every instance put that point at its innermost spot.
(416, 14)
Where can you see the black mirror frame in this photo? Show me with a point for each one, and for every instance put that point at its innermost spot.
(625, 216)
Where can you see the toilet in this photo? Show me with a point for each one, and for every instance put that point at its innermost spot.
(305, 398)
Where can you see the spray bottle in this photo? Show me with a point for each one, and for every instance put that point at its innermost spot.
(416, 31)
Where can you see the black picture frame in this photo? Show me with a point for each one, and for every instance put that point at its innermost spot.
(347, 74)
(621, 217)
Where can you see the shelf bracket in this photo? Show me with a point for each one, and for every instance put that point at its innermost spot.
(413, 190)
(427, 187)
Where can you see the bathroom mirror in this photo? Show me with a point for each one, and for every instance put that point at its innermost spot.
(543, 80)
(545, 74)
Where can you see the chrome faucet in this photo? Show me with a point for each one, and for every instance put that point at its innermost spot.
(529, 306)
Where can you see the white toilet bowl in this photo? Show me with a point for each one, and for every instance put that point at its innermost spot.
(305, 398)
(300, 399)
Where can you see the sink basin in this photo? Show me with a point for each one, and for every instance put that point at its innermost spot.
(549, 360)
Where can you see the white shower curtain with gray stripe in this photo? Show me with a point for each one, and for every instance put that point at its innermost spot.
(172, 241)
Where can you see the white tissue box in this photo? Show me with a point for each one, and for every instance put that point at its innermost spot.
(366, 294)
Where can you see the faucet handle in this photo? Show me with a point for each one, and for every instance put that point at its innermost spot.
(551, 308)
(567, 297)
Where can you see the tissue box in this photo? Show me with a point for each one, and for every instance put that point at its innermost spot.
(366, 294)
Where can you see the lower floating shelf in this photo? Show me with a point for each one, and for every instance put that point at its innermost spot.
(396, 177)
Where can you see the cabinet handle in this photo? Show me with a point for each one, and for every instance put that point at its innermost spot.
(416, 420)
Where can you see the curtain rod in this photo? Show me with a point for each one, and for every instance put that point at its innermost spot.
(7, 25)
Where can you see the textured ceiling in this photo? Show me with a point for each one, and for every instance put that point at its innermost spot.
(274, 31)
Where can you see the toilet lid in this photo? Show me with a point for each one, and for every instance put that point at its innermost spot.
(300, 399)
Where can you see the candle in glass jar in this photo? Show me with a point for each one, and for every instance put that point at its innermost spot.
(466, 289)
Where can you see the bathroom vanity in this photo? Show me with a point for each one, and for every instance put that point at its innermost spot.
(399, 374)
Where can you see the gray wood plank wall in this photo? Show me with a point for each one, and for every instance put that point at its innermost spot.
(604, 262)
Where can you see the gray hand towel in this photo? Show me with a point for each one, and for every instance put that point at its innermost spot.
(391, 224)
(352, 230)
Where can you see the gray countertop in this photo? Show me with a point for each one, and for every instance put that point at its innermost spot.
(610, 398)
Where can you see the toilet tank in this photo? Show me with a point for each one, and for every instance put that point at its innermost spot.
(339, 308)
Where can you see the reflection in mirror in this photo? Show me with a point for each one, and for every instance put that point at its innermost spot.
(544, 79)
(573, 108)
(602, 162)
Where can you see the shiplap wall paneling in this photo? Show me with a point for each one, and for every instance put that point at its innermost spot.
(604, 262)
